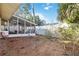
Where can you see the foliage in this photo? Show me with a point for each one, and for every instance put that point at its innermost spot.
(71, 33)
(67, 34)
(38, 21)
(26, 8)
(30, 17)
(69, 12)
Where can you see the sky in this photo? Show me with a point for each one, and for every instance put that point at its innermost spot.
(46, 11)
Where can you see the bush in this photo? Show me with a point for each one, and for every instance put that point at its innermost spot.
(67, 34)
(71, 34)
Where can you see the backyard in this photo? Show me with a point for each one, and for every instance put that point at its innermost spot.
(38, 45)
(59, 37)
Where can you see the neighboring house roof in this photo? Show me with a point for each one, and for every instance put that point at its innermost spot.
(7, 10)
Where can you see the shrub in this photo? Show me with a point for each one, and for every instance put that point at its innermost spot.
(67, 34)
(71, 34)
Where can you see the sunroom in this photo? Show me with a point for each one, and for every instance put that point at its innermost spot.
(12, 25)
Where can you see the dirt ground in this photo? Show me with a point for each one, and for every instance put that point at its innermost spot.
(30, 46)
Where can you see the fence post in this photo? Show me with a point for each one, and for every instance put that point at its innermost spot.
(17, 26)
(24, 27)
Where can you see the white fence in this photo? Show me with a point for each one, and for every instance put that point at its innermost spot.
(41, 30)
(48, 30)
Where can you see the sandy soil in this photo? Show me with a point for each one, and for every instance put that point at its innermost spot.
(30, 46)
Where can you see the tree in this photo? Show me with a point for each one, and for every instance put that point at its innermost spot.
(38, 21)
(26, 8)
(32, 17)
(33, 9)
(69, 13)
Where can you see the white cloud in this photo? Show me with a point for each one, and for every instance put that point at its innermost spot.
(48, 6)
(42, 17)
